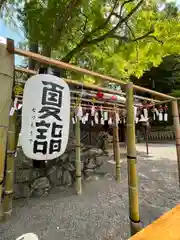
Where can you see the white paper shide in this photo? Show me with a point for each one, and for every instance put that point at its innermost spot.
(45, 117)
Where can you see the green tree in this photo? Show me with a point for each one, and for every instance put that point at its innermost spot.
(116, 37)
(164, 78)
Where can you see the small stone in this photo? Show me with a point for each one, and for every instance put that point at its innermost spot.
(40, 187)
(41, 183)
(21, 190)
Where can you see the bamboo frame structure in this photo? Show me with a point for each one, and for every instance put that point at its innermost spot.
(71, 67)
(90, 86)
(9, 176)
(6, 83)
(78, 157)
(6, 76)
(131, 162)
(85, 85)
(175, 114)
(116, 149)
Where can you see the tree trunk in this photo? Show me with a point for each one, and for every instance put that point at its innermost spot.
(33, 47)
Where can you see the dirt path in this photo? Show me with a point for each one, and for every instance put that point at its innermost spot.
(102, 210)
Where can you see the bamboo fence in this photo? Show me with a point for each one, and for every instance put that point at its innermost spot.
(6, 83)
(10, 162)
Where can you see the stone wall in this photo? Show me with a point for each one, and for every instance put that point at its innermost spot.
(60, 172)
(157, 133)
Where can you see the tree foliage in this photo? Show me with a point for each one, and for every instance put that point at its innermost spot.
(164, 78)
(116, 37)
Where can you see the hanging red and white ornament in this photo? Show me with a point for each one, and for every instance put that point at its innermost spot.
(15, 107)
(79, 112)
(102, 116)
(160, 113)
(135, 113)
(165, 113)
(96, 117)
(99, 95)
(92, 111)
(117, 118)
(73, 118)
(145, 111)
(105, 116)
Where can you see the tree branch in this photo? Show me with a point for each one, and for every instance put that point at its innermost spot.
(104, 24)
(122, 6)
(85, 24)
(121, 21)
(85, 42)
(146, 35)
(60, 21)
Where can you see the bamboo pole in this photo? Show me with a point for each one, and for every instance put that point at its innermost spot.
(9, 176)
(116, 149)
(175, 114)
(71, 67)
(90, 86)
(131, 162)
(6, 83)
(99, 102)
(78, 157)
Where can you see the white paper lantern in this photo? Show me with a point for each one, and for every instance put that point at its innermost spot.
(45, 117)
(28, 236)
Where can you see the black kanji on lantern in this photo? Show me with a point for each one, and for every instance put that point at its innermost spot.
(52, 94)
(55, 146)
(42, 128)
(50, 111)
(56, 130)
(40, 147)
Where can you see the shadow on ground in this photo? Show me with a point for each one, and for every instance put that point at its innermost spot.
(101, 212)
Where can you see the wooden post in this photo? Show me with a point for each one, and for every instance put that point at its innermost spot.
(175, 114)
(9, 176)
(78, 157)
(116, 149)
(131, 162)
(6, 85)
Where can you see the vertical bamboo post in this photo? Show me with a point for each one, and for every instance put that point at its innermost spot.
(78, 157)
(116, 149)
(175, 114)
(135, 225)
(9, 176)
(6, 85)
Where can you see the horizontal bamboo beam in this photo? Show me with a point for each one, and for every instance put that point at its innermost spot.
(94, 87)
(60, 64)
(138, 97)
(69, 81)
(99, 102)
(85, 106)
(165, 101)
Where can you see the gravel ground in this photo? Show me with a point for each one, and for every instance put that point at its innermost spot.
(101, 212)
